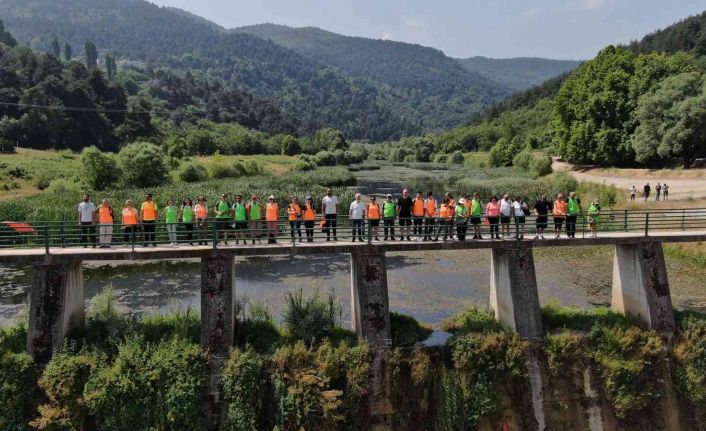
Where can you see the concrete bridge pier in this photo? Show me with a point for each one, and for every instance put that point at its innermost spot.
(370, 316)
(513, 291)
(217, 324)
(641, 286)
(56, 306)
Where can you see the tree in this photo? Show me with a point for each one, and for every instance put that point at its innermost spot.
(109, 66)
(138, 121)
(457, 157)
(290, 145)
(330, 139)
(5, 36)
(672, 121)
(67, 52)
(99, 169)
(594, 110)
(56, 48)
(142, 164)
(91, 55)
(503, 153)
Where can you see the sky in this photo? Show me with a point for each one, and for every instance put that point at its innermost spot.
(562, 29)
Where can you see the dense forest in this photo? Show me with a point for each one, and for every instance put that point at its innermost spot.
(520, 73)
(640, 104)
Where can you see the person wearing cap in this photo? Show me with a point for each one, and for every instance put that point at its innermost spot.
(373, 212)
(294, 211)
(201, 213)
(222, 210)
(329, 208)
(309, 216)
(271, 218)
(254, 210)
(389, 211)
(148, 219)
(430, 212)
(461, 219)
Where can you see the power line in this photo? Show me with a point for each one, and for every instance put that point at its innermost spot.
(77, 109)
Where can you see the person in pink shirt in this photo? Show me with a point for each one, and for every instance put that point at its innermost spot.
(492, 211)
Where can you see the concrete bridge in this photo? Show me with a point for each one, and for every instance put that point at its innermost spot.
(640, 284)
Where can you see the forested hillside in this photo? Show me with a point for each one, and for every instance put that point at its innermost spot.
(518, 73)
(639, 104)
(141, 32)
(688, 35)
(419, 82)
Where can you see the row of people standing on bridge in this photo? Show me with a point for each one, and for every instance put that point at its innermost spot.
(421, 217)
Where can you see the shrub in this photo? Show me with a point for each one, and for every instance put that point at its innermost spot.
(325, 158)
(566, 354)
(100, 170)
(330, 139)
(312, 318)
(142, 165)
(220, 168)
(6, 146)
(578, 319)
(319, 388)
(305, 164)
(63, 382)
(565, 182)
(690, 356)
(62, 186)
(41, 182)
(258, 329)
(541, 166)
(192, 172)
(629, 361)
(150, 387)
(504, 151)
(406, 331)
(471, 320)
(457, 157)
(18, 390)
(523, 159)
(244, 382)
(441, 158)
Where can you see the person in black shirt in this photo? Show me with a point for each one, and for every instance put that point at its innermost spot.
(404, 214)
(542, 208)
(646, 191)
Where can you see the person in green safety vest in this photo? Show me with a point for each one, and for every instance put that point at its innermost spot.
(573, 210)
(389, 212)
(254, 210)
(171, 217)
(594, 212)
(240, 216)
(222, 211)
(187, 219)
(476, 215)
(461, 217)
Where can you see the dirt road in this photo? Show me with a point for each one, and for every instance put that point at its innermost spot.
(682, 184)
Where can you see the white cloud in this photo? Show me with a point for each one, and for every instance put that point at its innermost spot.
(414, 24)
(387, 34)
(585, 5)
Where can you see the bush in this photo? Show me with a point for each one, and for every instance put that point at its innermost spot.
(406, 331)
(258, 329)
(325, 158)
(41, 182)
(504, 151)
(441, 158)
(18, 390)
(219, 168)
(142, 165)
(312, 318)
(62, 186)
(541, 166)
(564, 182)
(63, 382)
(330, 139)
(457, 157)
(629, 361)
(690, 356)
(319, 388)
(523, 159)
(192, 172)
(471, 320)
(566, 355)
(100, 170)
(150, 387)
(305, 164)
(244, 382)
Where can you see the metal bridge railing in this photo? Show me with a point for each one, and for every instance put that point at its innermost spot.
(217, 233)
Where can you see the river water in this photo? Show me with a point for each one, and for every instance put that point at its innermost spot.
(430, 286)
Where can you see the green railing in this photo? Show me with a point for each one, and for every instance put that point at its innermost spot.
(218, 233)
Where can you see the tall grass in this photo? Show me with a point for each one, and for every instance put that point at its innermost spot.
(62, 206)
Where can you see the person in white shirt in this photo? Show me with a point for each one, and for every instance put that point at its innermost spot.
(633, 192)
(665, 191)
(87, 220)
(519, 211)
(356, 213)
(329, 208)
(505, 215)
